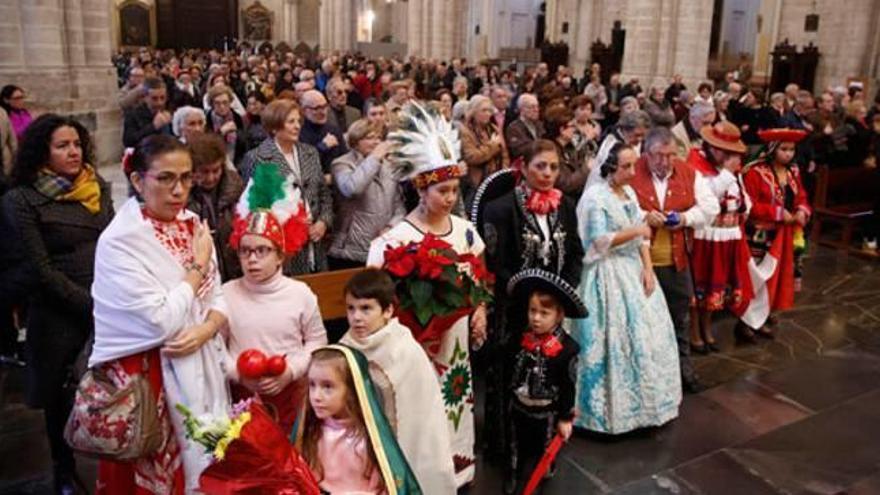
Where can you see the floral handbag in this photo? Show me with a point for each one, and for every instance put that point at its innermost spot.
(114, 415)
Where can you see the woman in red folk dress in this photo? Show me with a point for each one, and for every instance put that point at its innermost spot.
(780, 210)
(720, 263)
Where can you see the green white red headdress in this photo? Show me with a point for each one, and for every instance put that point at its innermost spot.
(428, 150)
(271, 207)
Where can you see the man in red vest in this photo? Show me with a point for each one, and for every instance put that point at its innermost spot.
(676, 200)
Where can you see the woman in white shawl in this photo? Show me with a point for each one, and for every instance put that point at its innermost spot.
(157, 310)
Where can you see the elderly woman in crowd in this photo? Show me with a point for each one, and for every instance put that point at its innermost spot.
(218, 79)
(368, 200)
(187, 122)
(630, 130)
(482, 145)
(213, 197)
(227, 124)
(158, 309)
(300, 162)
(57, 208)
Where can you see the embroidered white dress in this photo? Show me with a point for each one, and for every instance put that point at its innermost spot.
(452, 359)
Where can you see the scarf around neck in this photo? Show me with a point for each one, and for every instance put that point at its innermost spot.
(542, 202)
(84, 189)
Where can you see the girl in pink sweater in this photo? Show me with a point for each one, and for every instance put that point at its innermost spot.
(268, 311)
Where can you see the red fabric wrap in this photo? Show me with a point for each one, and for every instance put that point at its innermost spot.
(261, 460)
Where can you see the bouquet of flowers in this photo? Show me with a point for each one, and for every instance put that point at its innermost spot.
(435, 285)
(251, 454)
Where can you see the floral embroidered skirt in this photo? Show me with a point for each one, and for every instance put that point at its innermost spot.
(452, 361)
(720, 266)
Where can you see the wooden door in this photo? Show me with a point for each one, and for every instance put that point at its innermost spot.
(196, 23)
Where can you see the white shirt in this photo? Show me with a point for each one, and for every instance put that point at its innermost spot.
(293, 162)
(706, 207)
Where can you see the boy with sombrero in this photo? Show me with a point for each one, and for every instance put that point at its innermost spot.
(543, 367)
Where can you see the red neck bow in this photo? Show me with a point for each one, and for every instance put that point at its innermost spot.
(548, 344)
(543, 202)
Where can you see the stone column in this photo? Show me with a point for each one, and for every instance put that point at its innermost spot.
(59, 52)
(666, 38)
(414, 28)
(289, 32)
(11, 44)
(42, 33)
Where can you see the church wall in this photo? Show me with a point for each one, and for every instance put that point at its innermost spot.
(59, 52)
(846, 37)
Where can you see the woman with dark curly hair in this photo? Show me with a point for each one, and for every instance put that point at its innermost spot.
(58, 207)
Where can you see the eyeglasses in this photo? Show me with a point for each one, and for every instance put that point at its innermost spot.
(317, 108)
(170, 181)
(260, 251)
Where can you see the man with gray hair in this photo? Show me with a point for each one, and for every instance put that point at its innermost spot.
(687, 132)
(317, 132)
(525, 129)
(340, 114)
(630, 129)
(676, 200)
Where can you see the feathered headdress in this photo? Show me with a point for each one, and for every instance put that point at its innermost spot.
(428, 150)
(272, 207)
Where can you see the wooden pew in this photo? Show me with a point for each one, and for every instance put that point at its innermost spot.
(843, 196)
(329, 286)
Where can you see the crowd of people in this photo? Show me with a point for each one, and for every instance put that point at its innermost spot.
(615, 224)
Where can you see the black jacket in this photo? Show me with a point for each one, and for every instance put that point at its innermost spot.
(241, 136)
(556, 378)
(139, 124)
(314, 134)
(218, 208)
(506, 249)
(58, 239)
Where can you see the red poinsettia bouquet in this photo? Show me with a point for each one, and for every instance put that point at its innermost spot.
(435, 284)
(251, 454)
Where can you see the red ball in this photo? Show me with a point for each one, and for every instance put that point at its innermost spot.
(252, 363)
(276, 365)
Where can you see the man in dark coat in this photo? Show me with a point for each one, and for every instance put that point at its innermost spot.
(317, 132)
(528, 128)
(150, 117)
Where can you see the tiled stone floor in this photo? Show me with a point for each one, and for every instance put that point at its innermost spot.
(797, 415)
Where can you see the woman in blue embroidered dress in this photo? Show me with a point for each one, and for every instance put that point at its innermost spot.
(628, 375)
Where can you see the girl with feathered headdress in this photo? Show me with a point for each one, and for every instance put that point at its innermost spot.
(428, 155)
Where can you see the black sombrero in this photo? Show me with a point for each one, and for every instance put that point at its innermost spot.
(527, 281)
(494, 186)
